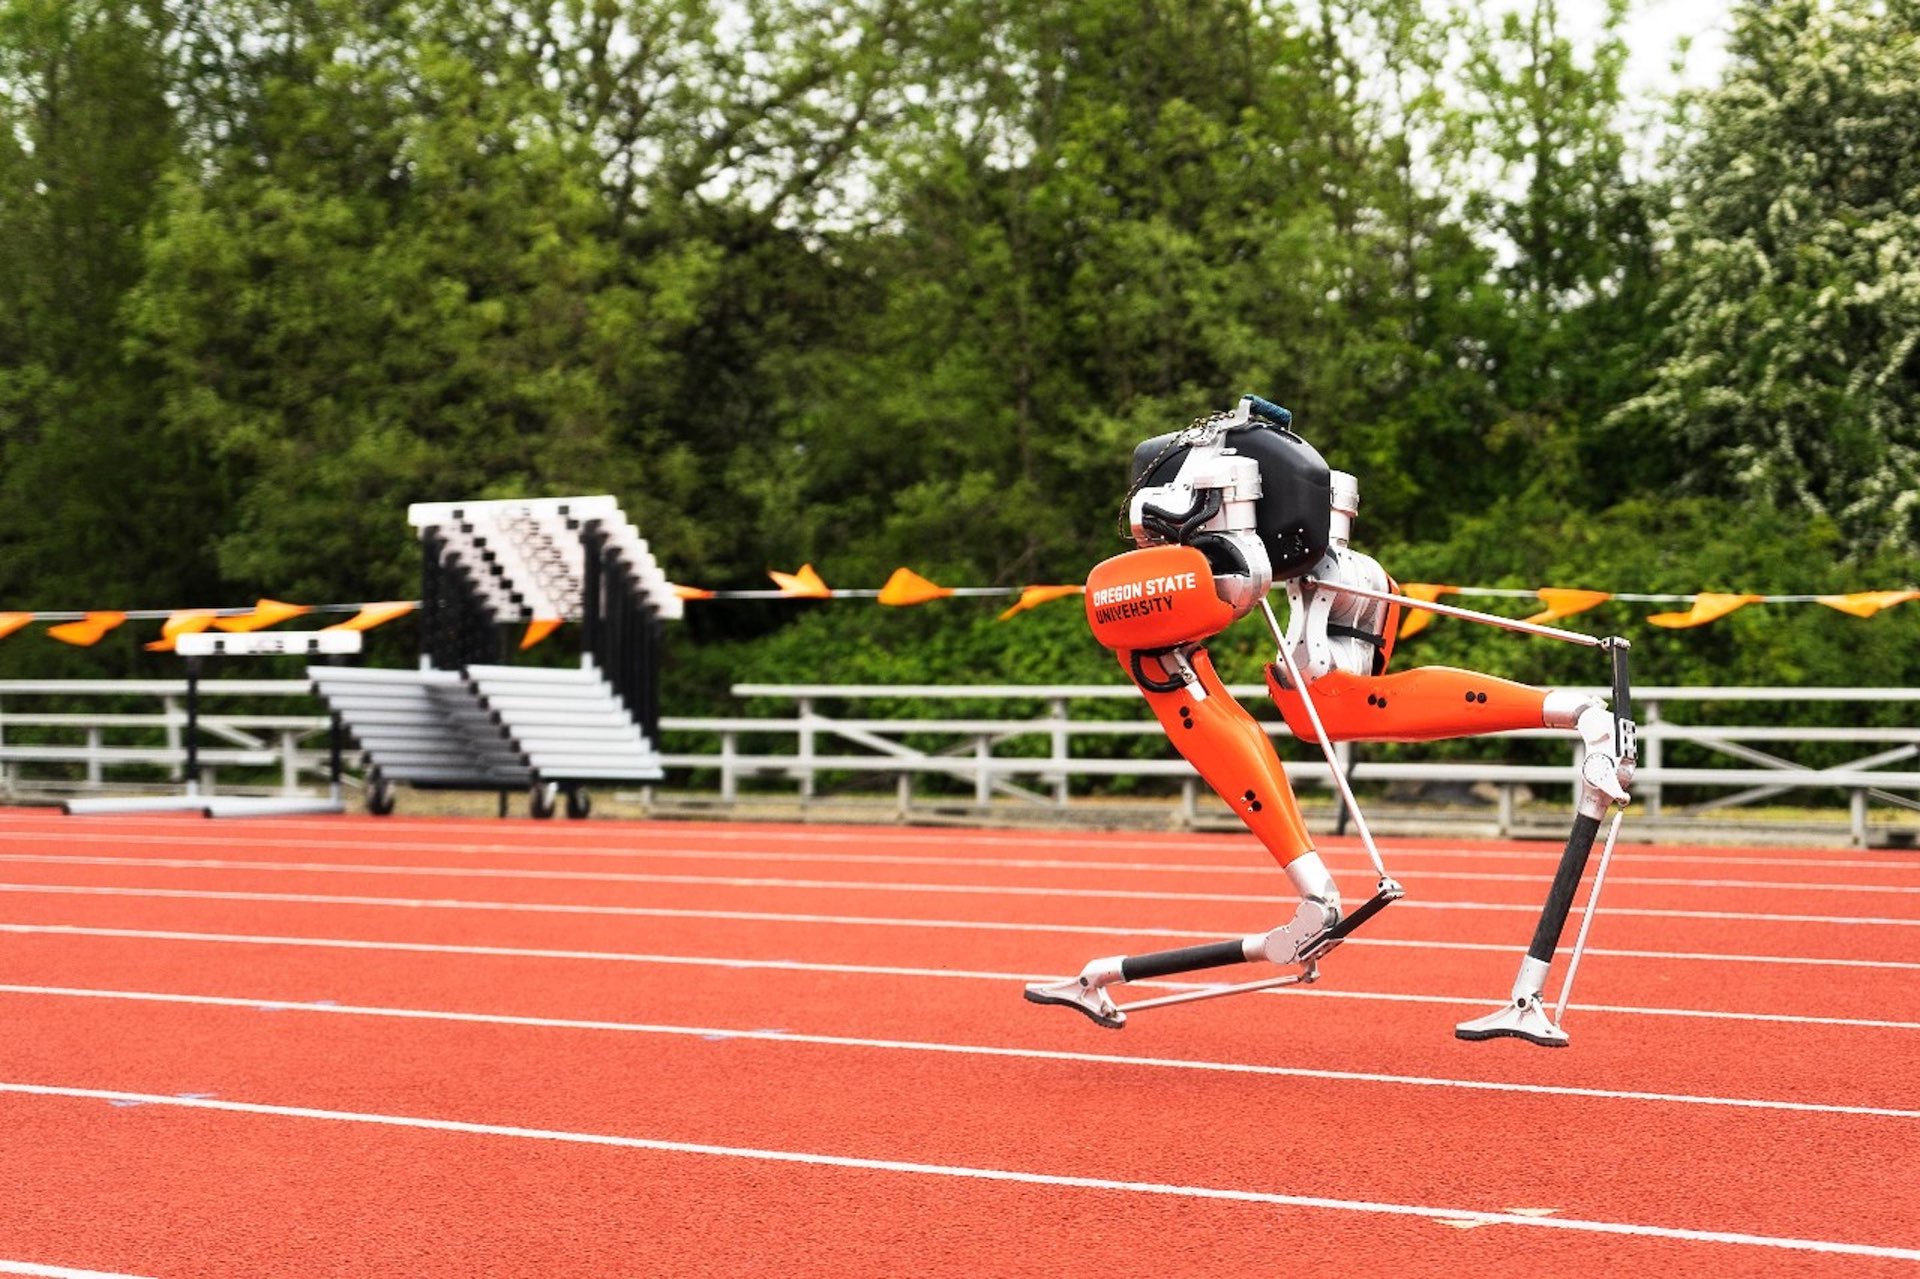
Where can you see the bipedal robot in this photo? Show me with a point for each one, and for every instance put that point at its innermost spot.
(1219, 513)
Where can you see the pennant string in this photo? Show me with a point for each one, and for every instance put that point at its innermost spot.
(1418, 620)
(1707, 607)
(265, 613)
(904, 587)
(803, 584)
(538, 629)
(907, 587)
(372, 615)
(188, 621)
(88, 631)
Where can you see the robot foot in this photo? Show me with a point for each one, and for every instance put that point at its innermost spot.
(1523, 1018)
(1311, 933)
(1087, 993)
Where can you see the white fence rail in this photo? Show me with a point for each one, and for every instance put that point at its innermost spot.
(103, 742)
(93, 750)
(828, 743)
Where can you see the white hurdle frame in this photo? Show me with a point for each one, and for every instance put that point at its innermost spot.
(196, 648)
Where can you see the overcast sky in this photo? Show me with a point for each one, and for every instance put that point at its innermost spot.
(1654, 28)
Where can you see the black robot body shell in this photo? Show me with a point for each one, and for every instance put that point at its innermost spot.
(1294, 514)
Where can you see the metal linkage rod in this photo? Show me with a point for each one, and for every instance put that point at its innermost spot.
(1465, 614)
(1307, 977)
(1326, 744)
(1586, 919)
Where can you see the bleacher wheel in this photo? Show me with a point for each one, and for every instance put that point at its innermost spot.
(540, 800)
(579, 803)
(379, 796)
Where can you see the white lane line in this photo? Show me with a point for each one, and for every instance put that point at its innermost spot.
(151, 934)
(717, 1033)
(600, 832)
(1254, 859)
(1401, 906)
(1262, 867)
(1628, 1010)
(59, 1272)
(758, 881)
(1442, 846)
(1004, 1175)
(749, 964)
(591, 956)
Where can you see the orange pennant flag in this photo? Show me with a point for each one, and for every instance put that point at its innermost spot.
(265, 613)
(1034, 596)
(188, 621)
(538, 629)
(88, 631)
(11, 622)
(692, 593)
(1418, 620)
(1562, 601)
(372, 615)
(802, 585)
(908, 587)
(1707, 607)
(1860, 604)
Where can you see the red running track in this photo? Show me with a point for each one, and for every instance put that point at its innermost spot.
(345, 1046)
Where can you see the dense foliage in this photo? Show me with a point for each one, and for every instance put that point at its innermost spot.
(871, 282)
(1791, 373)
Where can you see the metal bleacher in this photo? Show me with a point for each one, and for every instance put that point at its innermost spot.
(424, 728)
(467, 721)
(566, 724)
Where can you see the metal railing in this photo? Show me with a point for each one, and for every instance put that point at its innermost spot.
(94, 750)
(94, 744)
(821, 745)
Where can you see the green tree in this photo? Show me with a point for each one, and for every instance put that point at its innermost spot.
(429, 249)
(1577, 272)
(98, 508)
(1105, 218)
(378, 283)
(1101, 218)
(1791, 369)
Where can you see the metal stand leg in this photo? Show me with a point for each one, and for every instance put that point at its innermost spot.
(193, 726)
(334, 746)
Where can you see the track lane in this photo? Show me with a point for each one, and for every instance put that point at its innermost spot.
(1742, 1058)
(1876, 906)
(1234, 857)
(458, 921)
(1891, 938)
(1309, 1028)
(1472, 975)
(886, 839)
(329, 1208)
(1240, 864)
(1008, 1113)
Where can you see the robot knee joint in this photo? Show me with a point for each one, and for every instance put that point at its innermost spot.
(1565, 708)
(1606, 770)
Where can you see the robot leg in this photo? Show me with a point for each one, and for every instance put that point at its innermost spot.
(1425, 704)
(1606, 770)
(1155, 607)
(1436, 702)
(1231, 751)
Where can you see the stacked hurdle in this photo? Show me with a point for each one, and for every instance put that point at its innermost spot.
(467, 721)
